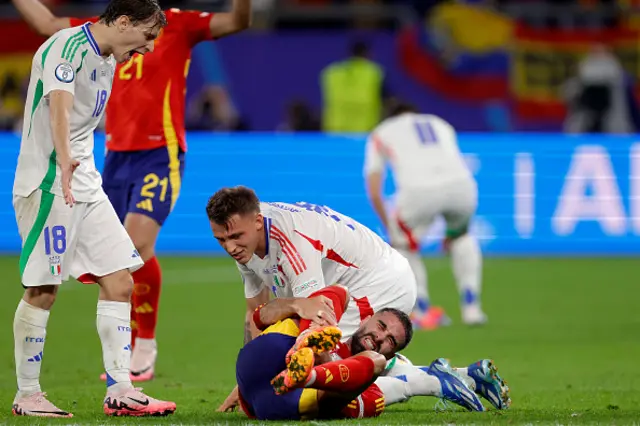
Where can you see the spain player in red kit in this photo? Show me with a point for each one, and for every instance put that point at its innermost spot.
(146, 144)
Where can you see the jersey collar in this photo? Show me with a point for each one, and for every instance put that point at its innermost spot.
(92, 41)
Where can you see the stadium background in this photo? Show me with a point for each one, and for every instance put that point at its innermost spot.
(567, 205)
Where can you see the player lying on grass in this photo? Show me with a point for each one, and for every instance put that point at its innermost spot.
(316, 376)
(294, 250)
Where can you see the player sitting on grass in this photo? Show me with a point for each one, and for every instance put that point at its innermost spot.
(318, 377)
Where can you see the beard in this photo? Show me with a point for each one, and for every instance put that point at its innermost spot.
(356, 345)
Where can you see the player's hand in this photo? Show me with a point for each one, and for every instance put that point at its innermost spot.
(231, 403)
(67, 167)
(319, 310)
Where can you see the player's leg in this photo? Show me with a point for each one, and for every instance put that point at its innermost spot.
(44, 225)
(257, 363)
(482, 376)
(105, 251)
(407, 242)
(438, 380)
(415, 214)
(339, 383)
(466, 256)
(156, 187)
(116, 183)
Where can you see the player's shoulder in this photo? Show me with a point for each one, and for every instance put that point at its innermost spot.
(278, 214)
(66, 34)
(392, 123)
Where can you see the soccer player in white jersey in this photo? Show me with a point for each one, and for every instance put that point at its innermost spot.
(293, 250)
(432, 179)
(67, 225)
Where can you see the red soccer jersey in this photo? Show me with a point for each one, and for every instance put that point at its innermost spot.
(147, 105)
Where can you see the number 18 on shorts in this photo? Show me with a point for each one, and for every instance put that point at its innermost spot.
(59, 241)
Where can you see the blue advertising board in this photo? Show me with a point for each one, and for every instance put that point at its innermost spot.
(540, 194)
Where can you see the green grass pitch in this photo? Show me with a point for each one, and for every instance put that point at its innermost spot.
(565, 334)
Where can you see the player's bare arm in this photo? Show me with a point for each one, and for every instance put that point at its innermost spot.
(250, 329)
(374, 191)
(317, 309)
(238, 19)
(40, 18)
(61, 104)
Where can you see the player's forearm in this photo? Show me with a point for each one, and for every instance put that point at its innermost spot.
(374, 191)
(278, 309)
(378, 207)
(60, 129)
(39, 17)
(241, 14)
(238, 19)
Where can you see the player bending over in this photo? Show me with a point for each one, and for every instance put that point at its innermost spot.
(325, 379)
(293, 250)
(432, 180)
(146, 145)
(67, 224)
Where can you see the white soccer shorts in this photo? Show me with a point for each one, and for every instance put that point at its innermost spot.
(59, 241)
(417, 209)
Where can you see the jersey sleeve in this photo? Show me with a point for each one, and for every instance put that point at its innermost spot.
(253, 284)
(76, 22)
(301, 263)
(61, 62)
(375, 155)
(195, 25)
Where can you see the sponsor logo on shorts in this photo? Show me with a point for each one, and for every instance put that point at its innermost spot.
(309, 285)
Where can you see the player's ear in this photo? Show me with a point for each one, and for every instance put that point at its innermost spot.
(259, 221)
(123, 22)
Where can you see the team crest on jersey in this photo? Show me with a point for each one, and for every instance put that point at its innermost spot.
(278, 281)
(64, 72)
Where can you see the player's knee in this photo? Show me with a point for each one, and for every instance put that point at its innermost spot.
(143, 232)
(42, 297)
(117, 286)
(379, 361)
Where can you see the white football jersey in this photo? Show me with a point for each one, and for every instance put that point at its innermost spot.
(310, 247)
(421, 149)
(70, 60)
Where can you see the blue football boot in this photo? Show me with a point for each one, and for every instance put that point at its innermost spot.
(454, 389)
(489, 384)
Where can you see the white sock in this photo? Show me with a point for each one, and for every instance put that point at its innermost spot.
(144, 354)
(114, 327)
(420, 272)
(464, 374)
(415, 382)
(466, 261)
(29, 333)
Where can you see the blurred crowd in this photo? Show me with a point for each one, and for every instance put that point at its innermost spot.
(598, 97)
